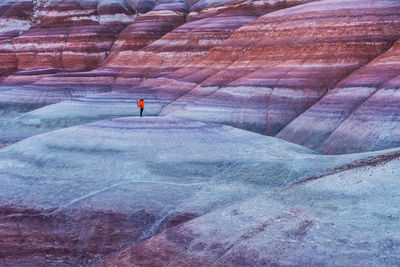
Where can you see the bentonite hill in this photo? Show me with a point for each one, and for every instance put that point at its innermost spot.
(270, 136)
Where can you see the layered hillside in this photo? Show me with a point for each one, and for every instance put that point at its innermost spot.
(248, 104)
(359, 114)
(240, 63)
(159, 191)
(343, 217)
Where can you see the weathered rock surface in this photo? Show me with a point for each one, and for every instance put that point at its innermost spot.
(76, 195)
(360, 114)
(163, 18)
(273, 69)
(15, 18)
(65, 35)
(71, 35)
(161, 71)
(262, 77)
(170, 191)
(83, 37)
(346, 217)
(258, 77)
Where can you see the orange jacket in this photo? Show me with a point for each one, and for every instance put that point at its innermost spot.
(140, 104)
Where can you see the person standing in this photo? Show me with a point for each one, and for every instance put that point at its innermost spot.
(140, 104)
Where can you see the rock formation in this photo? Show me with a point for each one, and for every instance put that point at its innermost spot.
(285, 66)
(85, 183)
(15, 18)
(130, 69)
(81, 193)
(359, 114)
(270, 68)
(316, 221)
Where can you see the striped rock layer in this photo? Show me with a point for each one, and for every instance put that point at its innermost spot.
(130, 63)
(359, 114)
(240, 63)
(148, 191)
(181, 187)
(282, 63)
(15, 18)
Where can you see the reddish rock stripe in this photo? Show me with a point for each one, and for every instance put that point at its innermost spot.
(316, 125)
(178, 48)
(7, 58)
(191, 40)
(68, 13)
(63, 27)
(58, 234)
(15, 18)
(96, 40)
(142, 32)
(157, 90)
(298, 54)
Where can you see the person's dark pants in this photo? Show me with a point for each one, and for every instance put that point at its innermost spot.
(141, 112)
